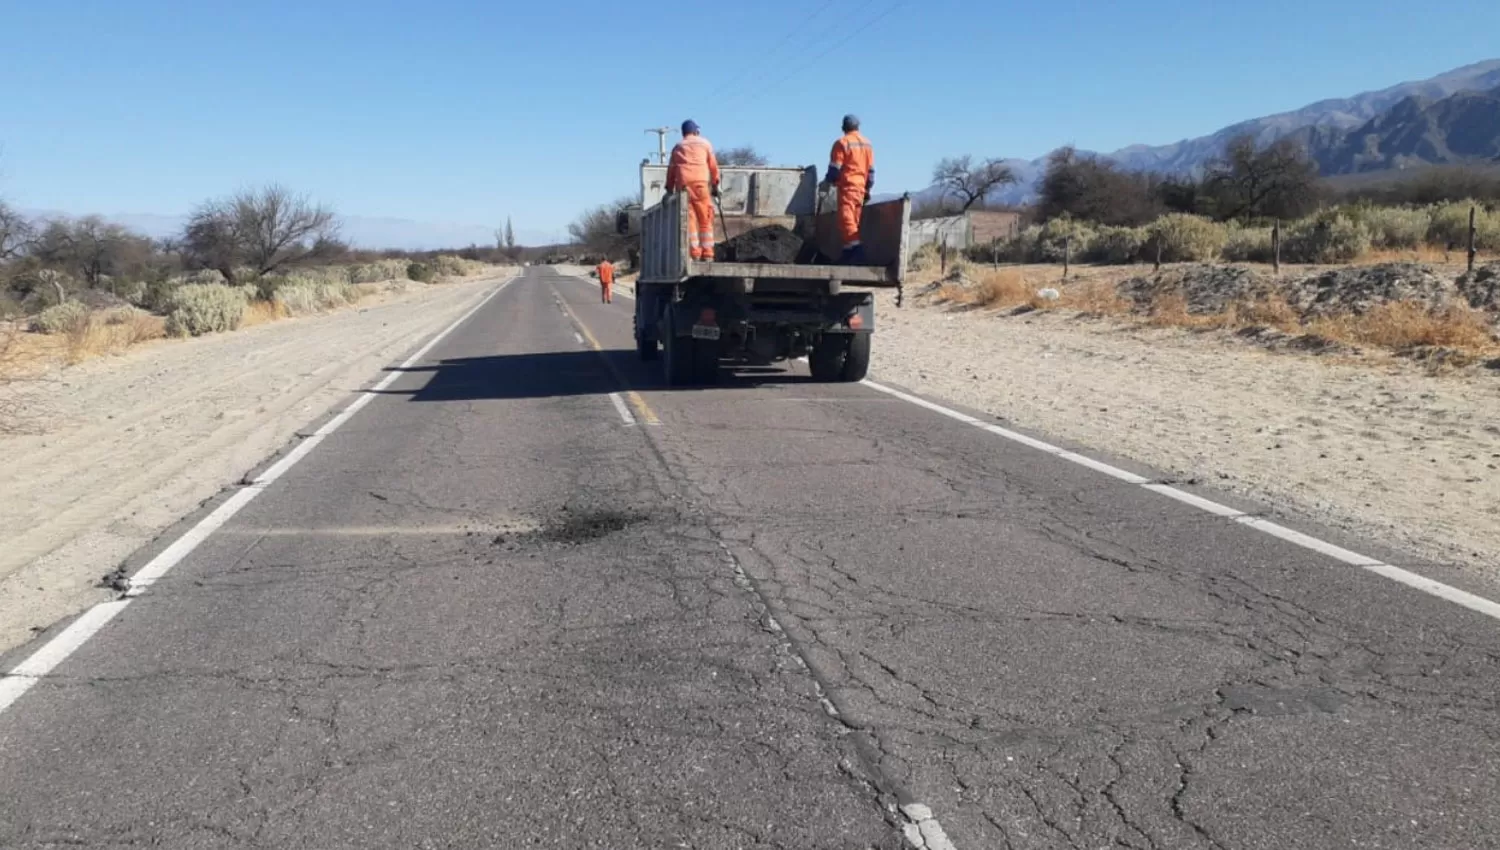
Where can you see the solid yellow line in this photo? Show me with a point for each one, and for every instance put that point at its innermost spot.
(643, 410)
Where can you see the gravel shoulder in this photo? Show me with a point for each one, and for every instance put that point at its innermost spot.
(1377, 446)
(133, 443)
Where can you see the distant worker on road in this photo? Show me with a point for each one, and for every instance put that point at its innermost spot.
(695, 169)
(606, 272)
(851, 167)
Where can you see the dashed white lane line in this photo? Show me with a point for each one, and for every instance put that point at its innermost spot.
(578, 336)
(1468, 600)
(39, 664)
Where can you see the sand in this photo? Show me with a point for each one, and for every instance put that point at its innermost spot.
(1374, 446)
(131, 444)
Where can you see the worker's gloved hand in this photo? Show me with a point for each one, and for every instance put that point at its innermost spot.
(715, 190)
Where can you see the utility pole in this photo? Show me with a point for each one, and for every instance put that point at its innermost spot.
(661, 142)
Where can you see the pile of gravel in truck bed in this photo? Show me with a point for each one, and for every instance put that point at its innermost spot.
(770, 244)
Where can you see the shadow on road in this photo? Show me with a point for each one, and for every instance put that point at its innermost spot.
(567, 373)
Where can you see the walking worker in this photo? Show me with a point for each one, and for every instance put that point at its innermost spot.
(695, 169)
(851, 167)
(606, 272)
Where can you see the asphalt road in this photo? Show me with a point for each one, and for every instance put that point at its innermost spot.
(487, 612)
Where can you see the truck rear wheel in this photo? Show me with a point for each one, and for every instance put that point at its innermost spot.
(678, 361)
(857, 359)
(840, 357)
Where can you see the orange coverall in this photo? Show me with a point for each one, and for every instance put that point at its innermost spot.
(695, 168)
(854, 161)
(606, 280)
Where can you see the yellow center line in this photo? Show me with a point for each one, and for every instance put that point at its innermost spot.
(643, 410)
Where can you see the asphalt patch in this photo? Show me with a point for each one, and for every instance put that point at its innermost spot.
(770, 244)
(573, 528)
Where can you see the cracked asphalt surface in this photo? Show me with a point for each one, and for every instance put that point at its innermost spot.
(486, 613)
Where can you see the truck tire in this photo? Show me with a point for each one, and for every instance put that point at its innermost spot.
(678, 361)
(645, 346)
(826, 360)
(857, 358)
(705, 361)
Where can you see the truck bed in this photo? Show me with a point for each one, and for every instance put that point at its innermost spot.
(790, 197)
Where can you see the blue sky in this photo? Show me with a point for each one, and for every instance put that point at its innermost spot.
(465, 111)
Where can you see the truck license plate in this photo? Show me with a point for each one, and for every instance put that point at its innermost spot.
(705, 332)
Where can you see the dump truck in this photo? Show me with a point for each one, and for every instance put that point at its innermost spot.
(698, 316)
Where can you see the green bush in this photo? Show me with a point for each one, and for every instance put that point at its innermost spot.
(1396, 227)
(1062, 237)
(299, 299)
(1188, 238)
(420, 272)
(203, 309)
(378, 271)
(1329, 237)
(1118, 245)
(202, 277)
(925, 257)
(121, 315)
(133, 291)
(1248, 245)
(1450, 227)
(59, 318)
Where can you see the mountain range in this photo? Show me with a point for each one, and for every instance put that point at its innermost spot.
(1451, 118)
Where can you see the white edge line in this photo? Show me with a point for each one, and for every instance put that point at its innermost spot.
(622, 408)
(578, 336)
(55, 651)
(24, 675)
(1410, 579)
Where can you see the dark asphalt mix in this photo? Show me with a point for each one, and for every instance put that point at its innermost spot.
(487, 612)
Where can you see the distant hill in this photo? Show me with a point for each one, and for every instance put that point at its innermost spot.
(1334, 129)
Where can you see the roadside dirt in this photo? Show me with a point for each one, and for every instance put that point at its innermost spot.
(1377, 446)
(128, 445)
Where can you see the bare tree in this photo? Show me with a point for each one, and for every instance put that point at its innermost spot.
(263, 229)
(744, 155)
(595, 231)
(963, 181)
(16, 233)
(1247, 182)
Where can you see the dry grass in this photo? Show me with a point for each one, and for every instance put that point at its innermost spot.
(263, 312)
(1402, 325)
(1423, 254)
(111, 333)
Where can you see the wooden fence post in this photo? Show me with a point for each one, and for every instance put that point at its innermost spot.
(1158, 252)
(1067, 254)
(1473, 231)
(1276, 246)
(943, 257)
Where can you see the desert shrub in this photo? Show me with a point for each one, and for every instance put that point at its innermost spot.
(1330, 237)
(1248, 244)
(378, 271)
(420, 272)
(1117, 245)
(448, 265)
(59, 318)
(10, 308)
(120, 315)
(133, 291)
(204, 309)
(203, 277)
(299, 299)
(925, 257)
(1188, 238)
(1396, 227)
(1450, 227)
(1061, 237)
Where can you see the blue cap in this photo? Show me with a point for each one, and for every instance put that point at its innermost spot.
(689, 126)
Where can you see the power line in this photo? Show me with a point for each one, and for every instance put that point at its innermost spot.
(760, 63)
(799, 69)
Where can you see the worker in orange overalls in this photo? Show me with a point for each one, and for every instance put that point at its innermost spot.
(851, 167)
(606, 272)
(695, 169)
